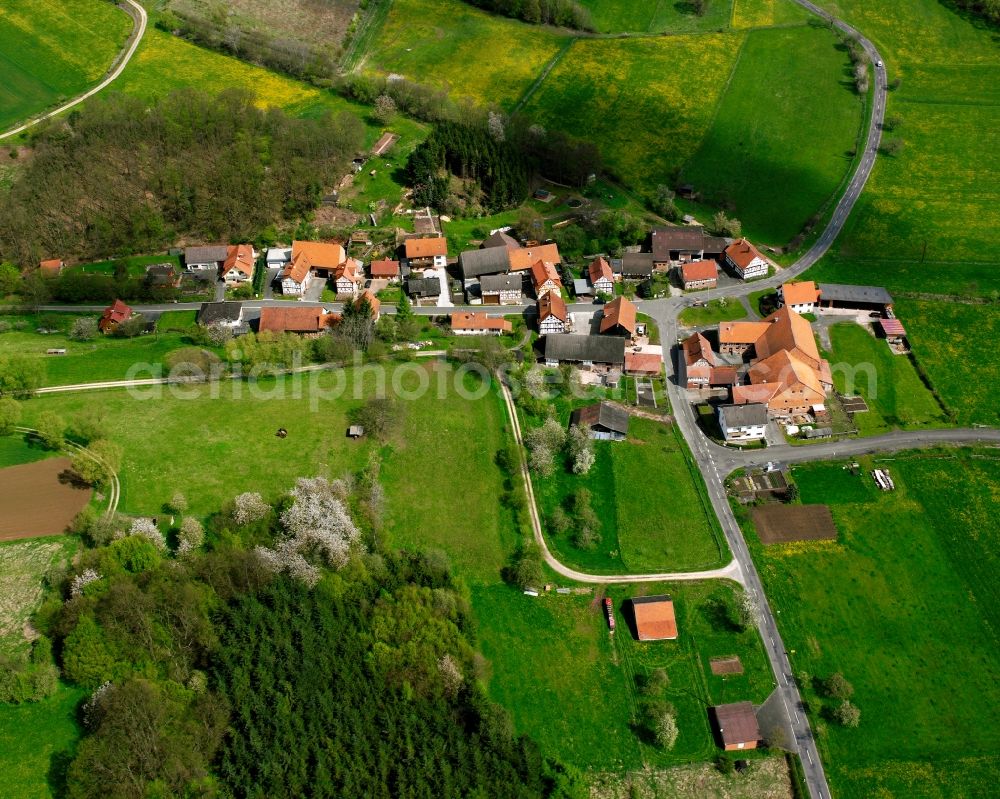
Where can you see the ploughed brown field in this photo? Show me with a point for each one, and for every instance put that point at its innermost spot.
(730, 665)
(781, 524)
(39, 498)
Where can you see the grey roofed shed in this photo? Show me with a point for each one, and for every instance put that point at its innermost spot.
(751, 414)
(206, 255)
(842, 292)
(581, 287)
(501, 283)
(214, 312)
(670, 239)
(595, 349)
(637, 264)
(491, 261)
(602, 415)
(423, 287)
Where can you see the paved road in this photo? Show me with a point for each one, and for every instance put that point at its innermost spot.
(138, 13)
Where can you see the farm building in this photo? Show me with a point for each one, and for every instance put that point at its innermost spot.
(588, 351)
(699, 275)
(294, 319)
(384, 269)
(526, 257)
(501, 289)
(857, 298)
(114, 315)
(606, 422)
(384, 143)
(637, 265)
(489, 261)
(893, 330)
(500, 238)
(654, 618)
(800, 297)
(735, 726)
(278, 257)
(552, 314)
(51, 267)
(673, 244)
(162, 276)
(423, 288)
(745, 260)
(618, 318)
(643, 364)
(743, 422)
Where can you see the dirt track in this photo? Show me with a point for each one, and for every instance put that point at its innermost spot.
(36, 501)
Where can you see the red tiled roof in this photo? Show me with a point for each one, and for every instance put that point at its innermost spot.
(542, 272)
(654, 618)
(373, 302)
(292, 320)
(52, 266)
(799, 293)
(619, 312)
(426, 248)
(526, 257)
(700, 270)
(551, 304)
(892, 327)
(240, 257)
(322, 254)
(643, 363)
(384, 268)
(742, 252)
(600, 268)
(479, 321)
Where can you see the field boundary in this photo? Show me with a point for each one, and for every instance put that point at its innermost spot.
(138, 15)
(534, 87)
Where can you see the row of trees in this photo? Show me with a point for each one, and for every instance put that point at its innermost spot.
(565, 13)
(131, 175)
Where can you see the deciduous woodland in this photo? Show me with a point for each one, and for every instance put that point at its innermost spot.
(125, 175)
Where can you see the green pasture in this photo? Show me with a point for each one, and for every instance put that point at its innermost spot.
(627, 16)
(575, 689)
(713, 312)
(775, 157)
(904, 604)
(949, 342)
(135, 264)
(51, 51)
(896, 397)
(767, 13)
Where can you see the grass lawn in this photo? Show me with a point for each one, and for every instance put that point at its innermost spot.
(765, 13)
(15, 450)
(713, 312)
(572, 686)
(136, 264)
(939, 191)
(627, 16)
(772, 163)
(646, 102)
(645, 526)
(443, 42)
(895, 394)
(948, 341)
(173, 321)
(37, 741)
(104, 358)
(905, 604)
(51, 51)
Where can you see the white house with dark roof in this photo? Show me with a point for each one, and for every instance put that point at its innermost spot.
(743, 422)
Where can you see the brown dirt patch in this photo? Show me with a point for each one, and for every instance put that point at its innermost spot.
(729, 665)
(781, 524)
(39, 499)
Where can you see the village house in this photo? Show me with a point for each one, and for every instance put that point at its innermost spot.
(526, 257)
(735, 726)
(324, 256)
(588, 351)
(654, 618)
(239, 263)
(297, 275)
(426, 253)
(643, 364)
(51, 267)
(114, 315)
(699, 361)
(501, 289)
(601, 277)
(618, 318)
(373, 303)
(384, 269)
(545, 278)
(699, 275)
(745, 260)
(800, 297)
(423, 289)
(208, 258)
(295, 319)
(278, 257)
(743, 422)
(224, 314)
(602, 420)
(348, 278)
(552, 314)
(467, 323)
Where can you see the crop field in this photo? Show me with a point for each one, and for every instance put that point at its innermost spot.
(938, 193)
(41, 500)
(948, 340)
(646, 102)
(765, 13)
(444, 43)
(642, 529)
(36, 744)
(627, 16)
(776, 157)
(573, 687)
(51, 50)
(896, 396)
(905, 606)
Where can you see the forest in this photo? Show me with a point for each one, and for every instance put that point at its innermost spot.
(125, 175)
(498, 157)
(275, 651)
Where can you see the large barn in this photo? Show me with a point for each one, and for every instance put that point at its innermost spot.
(654, 618)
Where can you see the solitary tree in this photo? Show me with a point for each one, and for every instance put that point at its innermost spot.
(84, 329)
(178, 503)
(385, 108)
(663, 724)
(837, 687)
(847, 714)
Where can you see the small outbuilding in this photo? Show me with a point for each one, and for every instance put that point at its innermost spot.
(654, 618)
(735, 726)
(605, 421)
(355, 431)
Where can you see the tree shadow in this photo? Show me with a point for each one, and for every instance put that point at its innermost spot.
(58, 773)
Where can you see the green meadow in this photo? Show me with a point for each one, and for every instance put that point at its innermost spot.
(51, 51)
(627, 16)
(904, 604)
